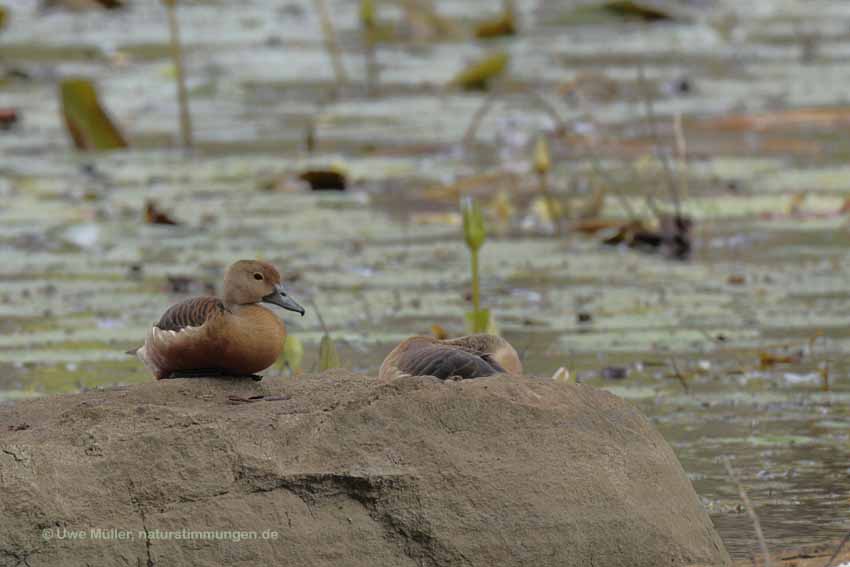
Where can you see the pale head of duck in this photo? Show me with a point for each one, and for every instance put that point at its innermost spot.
(506, 356)
(252, 281)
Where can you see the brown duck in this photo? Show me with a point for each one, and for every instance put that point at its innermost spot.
(473, 356)
(231, 336)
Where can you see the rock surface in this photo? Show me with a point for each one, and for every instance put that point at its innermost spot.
(346, 471)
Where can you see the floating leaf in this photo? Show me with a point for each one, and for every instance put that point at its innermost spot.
(293, 352)
(647, 11)
(79, 5)
(504, 25)
(325, 179)
(328, 357)
(478, 74)
(8, 118)
(4, 17)
(88, 123)
(604, 12)
(368, 14)
(768, 360)
(154, 215)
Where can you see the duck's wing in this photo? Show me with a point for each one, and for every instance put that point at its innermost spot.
(443, 362)
(190, 313)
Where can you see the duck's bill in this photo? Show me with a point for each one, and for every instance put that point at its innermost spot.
(278, 297)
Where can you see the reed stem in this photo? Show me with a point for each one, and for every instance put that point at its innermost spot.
(331, 42)
(177, 56)
(476, 290)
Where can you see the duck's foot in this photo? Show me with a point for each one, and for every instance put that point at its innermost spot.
(211, 373)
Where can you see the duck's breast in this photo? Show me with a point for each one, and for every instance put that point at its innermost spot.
(249, 339)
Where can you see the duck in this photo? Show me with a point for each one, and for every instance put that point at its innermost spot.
(232, 336)
(472, 356)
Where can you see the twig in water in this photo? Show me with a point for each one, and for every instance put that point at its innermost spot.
(750, 511)
(369, 34)
(477, 118)
(319, 315)
(838, 549)
(487, 105)
(331, 42)
(546, 106)
(656, 141)
(612, 184)
(680, 377)
(681, 152)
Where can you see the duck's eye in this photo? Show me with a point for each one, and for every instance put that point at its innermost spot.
(258, 276)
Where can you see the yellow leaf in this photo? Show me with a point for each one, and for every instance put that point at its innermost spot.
(478, 74)
(503, 25)
(293, 352)
(328, 357)
(88, 123)
(542, 163)
(368, 14)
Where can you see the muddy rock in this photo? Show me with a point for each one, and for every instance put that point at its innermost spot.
(337, 469)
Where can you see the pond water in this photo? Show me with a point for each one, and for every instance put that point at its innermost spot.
(726, 352)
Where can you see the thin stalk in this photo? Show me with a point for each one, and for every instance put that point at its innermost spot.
(476, 291)
(554, 214)
(177, 55)
(372, 70)
(479, 115)
(750, 511)
(656, 141)
(331, 42)
(682, 152)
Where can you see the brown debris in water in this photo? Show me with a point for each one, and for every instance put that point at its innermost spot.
(155, 215)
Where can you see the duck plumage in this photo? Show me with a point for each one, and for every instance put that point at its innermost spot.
(235, 335)
(472, 356)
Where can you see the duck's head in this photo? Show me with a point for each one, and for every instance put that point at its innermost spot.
(506, 356)
(253, 281)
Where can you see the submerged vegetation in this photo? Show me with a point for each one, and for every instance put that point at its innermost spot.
(580, 134)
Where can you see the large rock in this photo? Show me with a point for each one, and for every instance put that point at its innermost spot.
(347, 471)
